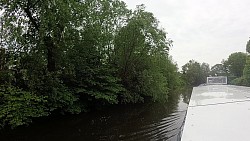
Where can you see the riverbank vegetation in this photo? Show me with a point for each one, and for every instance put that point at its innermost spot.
(71, 56)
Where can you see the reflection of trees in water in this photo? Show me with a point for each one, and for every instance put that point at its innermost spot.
(186, 94)
(158, 120)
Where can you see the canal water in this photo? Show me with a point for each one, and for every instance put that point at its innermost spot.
(150, 121)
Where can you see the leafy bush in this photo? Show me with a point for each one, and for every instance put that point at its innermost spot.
(241, 81)
(19, 107)
(155, 85)
(59, 96)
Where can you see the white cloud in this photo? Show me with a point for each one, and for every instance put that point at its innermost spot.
(203, 30)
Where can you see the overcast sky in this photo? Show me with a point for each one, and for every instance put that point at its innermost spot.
(203, 30)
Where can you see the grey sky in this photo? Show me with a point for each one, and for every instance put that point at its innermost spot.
(203, 30)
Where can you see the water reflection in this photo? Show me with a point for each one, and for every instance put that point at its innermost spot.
(151, 121)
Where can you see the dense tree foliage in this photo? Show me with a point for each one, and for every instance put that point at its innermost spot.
(218, 70)
(245, 79)
(235, 64)
(69, 56)
(195, 73)
(205, 70)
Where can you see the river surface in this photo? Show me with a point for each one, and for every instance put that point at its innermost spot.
(150, 121)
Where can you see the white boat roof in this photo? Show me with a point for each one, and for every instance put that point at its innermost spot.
(218, 113)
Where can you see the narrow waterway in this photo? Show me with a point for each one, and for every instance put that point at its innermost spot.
(151, 121)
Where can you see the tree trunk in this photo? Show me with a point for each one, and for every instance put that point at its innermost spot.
(51, 54)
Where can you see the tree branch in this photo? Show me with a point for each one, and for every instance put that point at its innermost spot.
(33, 21)
(27, 11)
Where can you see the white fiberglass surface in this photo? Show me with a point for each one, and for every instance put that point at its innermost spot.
(213, 94)
(218, 113)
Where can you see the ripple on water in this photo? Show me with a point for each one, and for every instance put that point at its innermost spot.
(168, 128)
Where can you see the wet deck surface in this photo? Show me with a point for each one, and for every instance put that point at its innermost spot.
(218, 113)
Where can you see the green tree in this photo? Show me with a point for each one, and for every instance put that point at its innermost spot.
(69, 56)
(141, 51)
(245, 79)
(246, 71)
(235, 63)
(205, 71)
(61, 50)
(218, 70)
(194, 73)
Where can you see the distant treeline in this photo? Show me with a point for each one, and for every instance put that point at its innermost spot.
(236, 67)
(70, 56)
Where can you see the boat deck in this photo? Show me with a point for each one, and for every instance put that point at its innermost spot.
(218, 113)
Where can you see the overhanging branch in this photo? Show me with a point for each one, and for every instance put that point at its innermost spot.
(32, 19)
